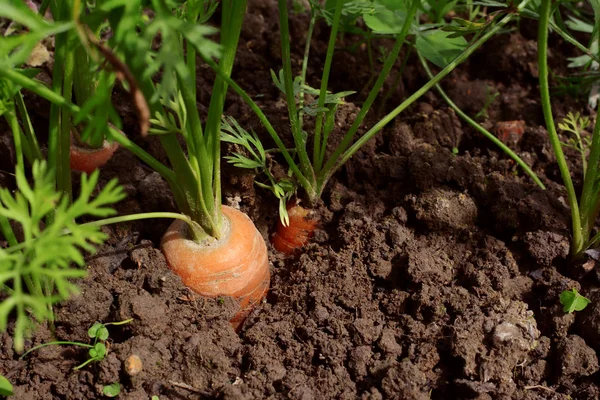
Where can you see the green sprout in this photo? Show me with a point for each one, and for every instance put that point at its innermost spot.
(97, 349)
(573, 301)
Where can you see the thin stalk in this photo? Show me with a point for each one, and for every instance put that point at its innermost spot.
(481, 129)
(13, 122)
(311, 27)
(58, 342)
(387, 66)
(231, 24)
(199, 164)
(299, 139)
(29, 133)
(589, 195)
(324, 177)
(64, 177)
(137, 217)
(578, 240)
(317, 156)
(54, 148)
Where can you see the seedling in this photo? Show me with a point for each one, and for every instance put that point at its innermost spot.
(573, 301)
(97, 350)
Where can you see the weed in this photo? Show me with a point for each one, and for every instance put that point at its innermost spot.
(573, 301)
(97, 350)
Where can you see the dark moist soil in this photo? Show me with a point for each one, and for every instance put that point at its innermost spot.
(434, 274)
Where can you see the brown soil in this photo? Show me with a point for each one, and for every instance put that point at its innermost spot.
(434, 274)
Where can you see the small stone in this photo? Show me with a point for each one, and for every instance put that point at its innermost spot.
(133, 365)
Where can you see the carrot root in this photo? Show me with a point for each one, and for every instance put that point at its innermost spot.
(236, 265)
(88, 160)
(288, 239)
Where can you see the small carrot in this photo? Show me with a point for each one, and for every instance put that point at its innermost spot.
(87, 159)
(236, 265)
(510, 132)
(288, 239)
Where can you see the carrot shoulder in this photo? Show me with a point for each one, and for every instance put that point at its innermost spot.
(236, 265)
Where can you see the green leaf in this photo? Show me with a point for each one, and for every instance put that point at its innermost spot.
(6, 388)
(93, 331)
(579, 25)
(102, 333)
(388, 17)
(112, 390)
(100, 350)
(573, 301)
(440, 49)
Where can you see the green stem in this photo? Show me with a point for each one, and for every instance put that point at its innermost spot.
(30, 137)
(311, 26)
(231, 24)
(56, 343)
(197, 231)
(288, 81)
(589, 195)
(13, 122)
(578, 240)
(481, 129)
(64, 177)
(387, 66)
(317, 156)
(424, 89)
(141, 216)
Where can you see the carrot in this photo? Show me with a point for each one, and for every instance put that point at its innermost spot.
(86, 159)
(288, 239)
(236, 265)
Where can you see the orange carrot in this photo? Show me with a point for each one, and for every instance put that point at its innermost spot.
(86, 159)
(288, 239)
(235, 266)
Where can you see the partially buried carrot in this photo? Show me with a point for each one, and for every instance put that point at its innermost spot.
(236, 265)
(86, 159)
(301, 228)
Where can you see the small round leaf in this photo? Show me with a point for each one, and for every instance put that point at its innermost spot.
(112, 390)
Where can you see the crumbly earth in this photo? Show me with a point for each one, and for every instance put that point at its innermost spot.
(435, 273)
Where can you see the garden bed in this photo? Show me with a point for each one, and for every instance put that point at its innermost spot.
(436, 271)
